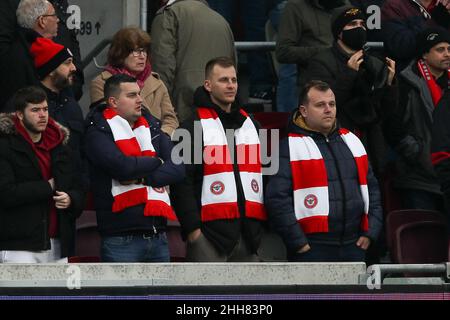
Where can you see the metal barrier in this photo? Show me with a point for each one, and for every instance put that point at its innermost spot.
(239, 45)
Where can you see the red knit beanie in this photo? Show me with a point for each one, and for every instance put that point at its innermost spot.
(48, 55)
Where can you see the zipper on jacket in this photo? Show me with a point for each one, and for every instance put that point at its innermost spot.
(344, 196)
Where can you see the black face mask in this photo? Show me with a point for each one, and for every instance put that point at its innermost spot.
(354, 38)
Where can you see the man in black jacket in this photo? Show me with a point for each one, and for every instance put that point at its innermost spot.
(324, 201)
(362, 83)
(421, 86)
(440, 146)
(220, 203)
(131, 165)
(40, 196)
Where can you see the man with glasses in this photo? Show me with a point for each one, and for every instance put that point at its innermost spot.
(35, 18)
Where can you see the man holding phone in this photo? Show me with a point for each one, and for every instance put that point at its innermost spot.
(362, 83)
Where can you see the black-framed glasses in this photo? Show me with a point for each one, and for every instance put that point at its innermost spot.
(50, 15)
(137, 52)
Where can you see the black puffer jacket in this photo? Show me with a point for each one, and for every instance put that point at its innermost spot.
(346, 203)
(224, 234)
(25, 195)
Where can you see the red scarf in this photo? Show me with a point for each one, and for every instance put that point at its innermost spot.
(51, 137)
(136, 142)
(435, 90)
(141, 77)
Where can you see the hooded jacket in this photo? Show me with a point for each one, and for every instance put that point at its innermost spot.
(25, 195)
(345, 199)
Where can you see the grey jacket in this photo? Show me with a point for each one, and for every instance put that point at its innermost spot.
(185, 36)
(305, 29)
(415, 117)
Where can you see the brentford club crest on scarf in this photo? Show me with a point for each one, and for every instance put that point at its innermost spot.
(310, 201)
(255, 186)
(217, 188)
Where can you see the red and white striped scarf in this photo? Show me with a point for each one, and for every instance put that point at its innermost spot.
(219, 193)
(310, 181)
(435, 90)
(136, 142)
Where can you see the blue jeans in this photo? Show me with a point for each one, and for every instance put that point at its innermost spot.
(136, 248)
(328, 253)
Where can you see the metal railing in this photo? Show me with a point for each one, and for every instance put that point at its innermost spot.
(239, 45)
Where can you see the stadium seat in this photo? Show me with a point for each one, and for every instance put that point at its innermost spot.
(87, 245)
(409, 233)
(421, 242)
(177, 247)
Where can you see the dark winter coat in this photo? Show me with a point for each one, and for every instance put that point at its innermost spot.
(223, 233)
(401, 21)
(25, 196)
(107, 162)
(363, 97)
(440, 144)
(412, 135)
(65, 109)
(346, 203)
(17, 67)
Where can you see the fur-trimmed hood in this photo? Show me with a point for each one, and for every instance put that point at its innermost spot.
(7, 126)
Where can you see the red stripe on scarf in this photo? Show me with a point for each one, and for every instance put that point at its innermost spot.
(365, 223)
(435, 90)
(129, 147)
(437, 157)
(129, 199)
(207, 113)
(220, 211)
(216, 155)
(248, 154)
(141, 122)
(255, 210)
(314, 224)
(311, 173)
(158, 208)
(362, 165)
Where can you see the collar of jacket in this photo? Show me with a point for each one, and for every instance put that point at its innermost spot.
(298, 125)
(95, 118)
(7, 126)
(172, 2)
(55, 96)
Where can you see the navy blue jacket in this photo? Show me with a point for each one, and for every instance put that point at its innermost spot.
(108, 162)
(346, 203)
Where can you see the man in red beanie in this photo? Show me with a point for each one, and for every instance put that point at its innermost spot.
(55, 68)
